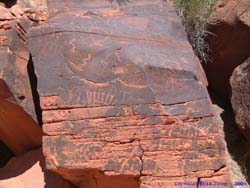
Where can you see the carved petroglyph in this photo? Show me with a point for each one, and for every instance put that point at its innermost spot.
(124, 97)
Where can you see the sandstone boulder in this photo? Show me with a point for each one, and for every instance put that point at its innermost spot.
(240, 100)
(17, 129)
(240, 82)
(123, 97)
(229, 43)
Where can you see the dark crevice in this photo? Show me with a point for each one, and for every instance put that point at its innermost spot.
(5, 154)
(9, 3)
(33, 84)
(141, 158)
(217, 170)
(21, 97)
(198, 182)
(237, 144)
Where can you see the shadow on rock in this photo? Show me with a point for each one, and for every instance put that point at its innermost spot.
(237, 145)
(28, 171)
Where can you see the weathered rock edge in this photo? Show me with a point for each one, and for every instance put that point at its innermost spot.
(124, 99)
(240, 100)
(18, 117)
(240, 83)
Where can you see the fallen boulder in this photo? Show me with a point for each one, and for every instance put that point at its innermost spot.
(240, 100)
(240, 83)
(123, 97)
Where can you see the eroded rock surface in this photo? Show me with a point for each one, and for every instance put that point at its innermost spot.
(240, 82)
(229, 43)
(123, 97)
(14, 56)
(14, 52)
(18, 127)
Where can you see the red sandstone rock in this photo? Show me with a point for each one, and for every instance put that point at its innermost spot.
(17, 129)
(240, 82)
(15, 68)
(229, 43)
(5, 14)
(124, 99)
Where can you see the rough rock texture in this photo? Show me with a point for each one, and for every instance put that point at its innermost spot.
(229, 44)
(17, 129)
(237, 145)
(123, 97)
(16, 71)
(39, 7)
(14, 54)
(14, 57)
(240, 82)
(28, 171)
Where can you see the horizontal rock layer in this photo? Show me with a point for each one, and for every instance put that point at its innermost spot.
(124, 98)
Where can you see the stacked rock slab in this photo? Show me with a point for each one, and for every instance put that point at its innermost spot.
(123, 97)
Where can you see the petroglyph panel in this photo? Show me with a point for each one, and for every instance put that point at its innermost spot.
(123, 95)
